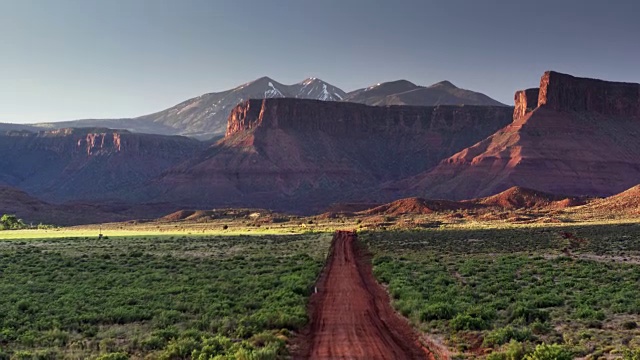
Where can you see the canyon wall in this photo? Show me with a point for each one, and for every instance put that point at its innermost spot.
(352, 120)
(69, 164)
(561, 92)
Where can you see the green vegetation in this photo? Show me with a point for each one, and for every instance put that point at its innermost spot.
(518, 293)
(11, 222)
(156, 297)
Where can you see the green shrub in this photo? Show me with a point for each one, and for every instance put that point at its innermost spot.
(547, 300)
(528, 314)
(11, 222)
(468, 322)
(437, 311)
(179, 349)
(497, 356)
(504, 335)
(516, 350)
(587, 313)
(540, 328)
(513, 351)
(631, 354)
(113, 356)
(549, 352)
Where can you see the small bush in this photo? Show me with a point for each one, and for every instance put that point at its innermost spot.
(549, 352)
(587, 313)
(468, 322)
(437, 311)
(113, 356)
(506, 334)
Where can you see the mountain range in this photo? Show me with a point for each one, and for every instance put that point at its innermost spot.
(570, 136)
(205, 117)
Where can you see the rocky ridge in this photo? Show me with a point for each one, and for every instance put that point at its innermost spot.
(582, 139)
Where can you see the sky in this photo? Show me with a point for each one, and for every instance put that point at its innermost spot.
(76, 59)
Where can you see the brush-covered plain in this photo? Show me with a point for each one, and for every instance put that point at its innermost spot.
(574, 292)
(156, 297)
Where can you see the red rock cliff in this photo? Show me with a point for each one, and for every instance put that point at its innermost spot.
(525, 101)
(98, 141)
(350, 119)
(563, 92)
(82, 164)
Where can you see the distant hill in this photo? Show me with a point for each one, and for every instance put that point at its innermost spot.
(522, 198)
(403, 92)
(35, 211)
(626, 202)
(416, 206)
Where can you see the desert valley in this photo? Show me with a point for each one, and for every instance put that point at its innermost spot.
(454, 197)
(464, 185)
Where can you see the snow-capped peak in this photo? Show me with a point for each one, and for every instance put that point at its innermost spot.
(314, 88)
(311, 80)
(272, 92)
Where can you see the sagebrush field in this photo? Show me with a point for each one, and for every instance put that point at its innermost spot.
(490, 290)
(159, 297)
(502, 291)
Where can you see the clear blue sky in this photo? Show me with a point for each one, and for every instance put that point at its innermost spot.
(72, 59)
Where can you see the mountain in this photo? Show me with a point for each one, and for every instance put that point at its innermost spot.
(87, 164)
(302, 155)
(403, 92)
(573, 136)
(376, 94)
(314, 88)
(205, 116)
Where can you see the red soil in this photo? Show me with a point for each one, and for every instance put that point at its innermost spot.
(351, 317)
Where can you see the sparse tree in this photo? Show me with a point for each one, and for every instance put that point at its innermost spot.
(11, 222)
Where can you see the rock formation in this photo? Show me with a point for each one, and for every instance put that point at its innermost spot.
(72, 164)
(299, 155)
(561, 92)
(526, 101)
(582, 139)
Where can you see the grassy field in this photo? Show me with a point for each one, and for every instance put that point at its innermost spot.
(144, 295)
(497, 293)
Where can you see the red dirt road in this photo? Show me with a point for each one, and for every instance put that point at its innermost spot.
(351, 317)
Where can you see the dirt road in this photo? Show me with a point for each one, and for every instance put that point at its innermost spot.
(351, 317)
